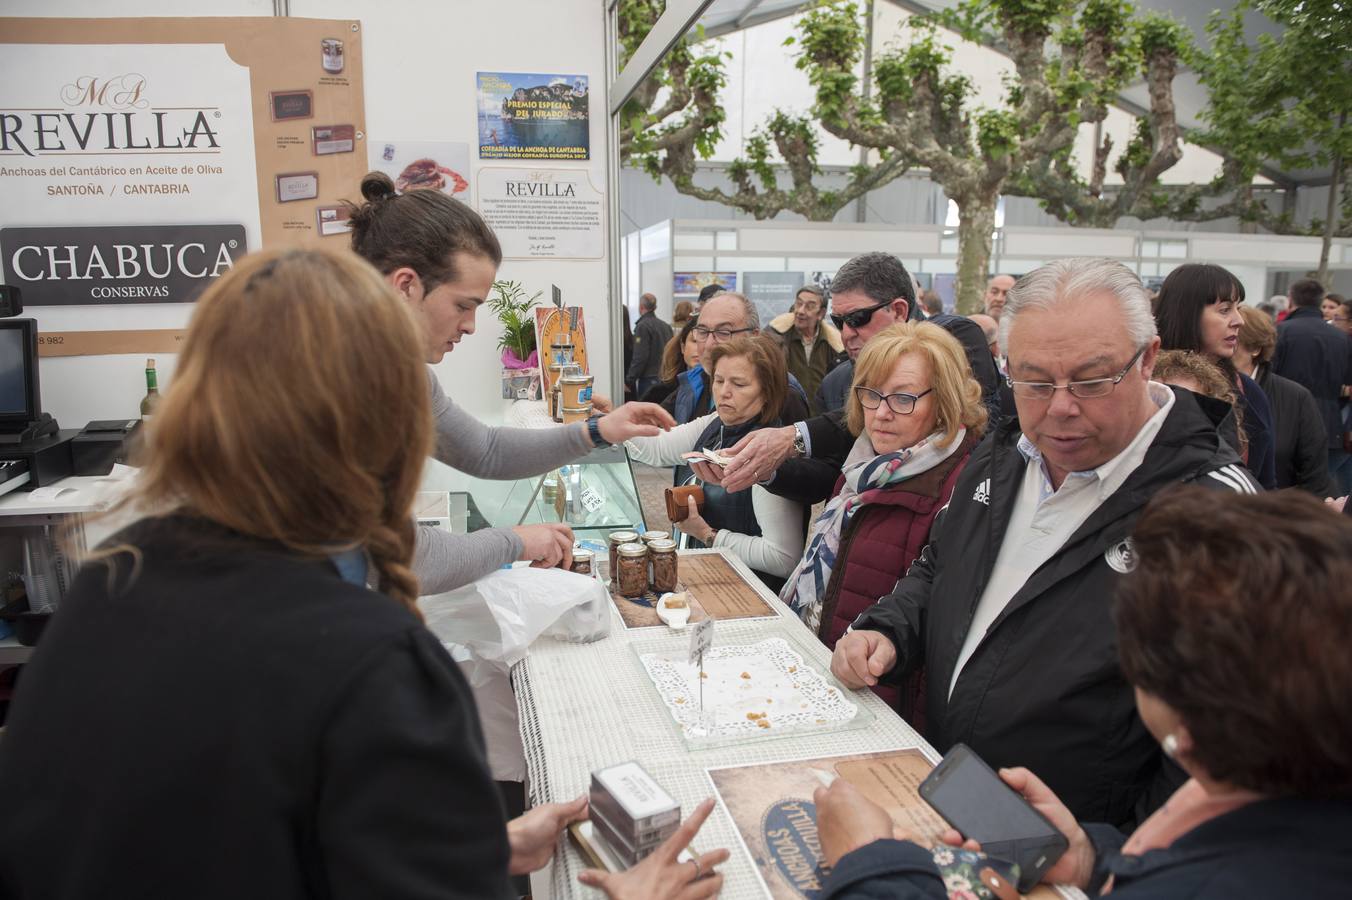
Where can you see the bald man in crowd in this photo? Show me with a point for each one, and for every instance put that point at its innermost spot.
(996, 289)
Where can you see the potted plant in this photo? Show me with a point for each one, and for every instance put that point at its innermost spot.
(520, 360)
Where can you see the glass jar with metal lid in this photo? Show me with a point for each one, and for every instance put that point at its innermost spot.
(632, 578)
(582, 561)
(649, 536)
(616, 538)
(662, 556)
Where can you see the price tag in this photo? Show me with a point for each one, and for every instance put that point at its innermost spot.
(701, 639)
(592, 500)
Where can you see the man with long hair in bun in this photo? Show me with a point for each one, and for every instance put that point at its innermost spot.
(442, 258)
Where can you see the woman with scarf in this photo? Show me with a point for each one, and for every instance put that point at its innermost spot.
(749, 383)
(916, 412)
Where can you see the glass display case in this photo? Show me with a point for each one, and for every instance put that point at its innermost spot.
(595, 495)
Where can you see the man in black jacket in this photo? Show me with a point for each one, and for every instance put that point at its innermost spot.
(1313, 353)
(651, 335)
(1009, 605)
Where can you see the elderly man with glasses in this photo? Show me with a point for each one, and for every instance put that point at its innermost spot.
(723, 317)
(1008, 608)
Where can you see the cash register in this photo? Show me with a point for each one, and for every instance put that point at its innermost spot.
(33, 451)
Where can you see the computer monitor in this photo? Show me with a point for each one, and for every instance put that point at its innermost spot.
(20, 397)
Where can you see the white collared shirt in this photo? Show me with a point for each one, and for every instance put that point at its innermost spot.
(1044, 518)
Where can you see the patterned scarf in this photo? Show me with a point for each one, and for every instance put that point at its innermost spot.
(867, 473)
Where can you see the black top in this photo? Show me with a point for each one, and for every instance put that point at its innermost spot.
(1301, 454)
(1313, 353)
(234, 721)
(651, 336)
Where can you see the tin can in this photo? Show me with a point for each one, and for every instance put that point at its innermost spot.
(573, 414)
(577, 389)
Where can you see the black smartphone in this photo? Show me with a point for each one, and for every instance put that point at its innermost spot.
(972, 798)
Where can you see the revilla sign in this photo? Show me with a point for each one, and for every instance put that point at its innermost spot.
(108, 114)
(90, 265)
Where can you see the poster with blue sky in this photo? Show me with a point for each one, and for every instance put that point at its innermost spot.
(533, 116)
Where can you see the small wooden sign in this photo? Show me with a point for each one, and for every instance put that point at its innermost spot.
(109, 343)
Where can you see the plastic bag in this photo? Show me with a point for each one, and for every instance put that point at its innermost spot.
(499, 616)
(489, 625)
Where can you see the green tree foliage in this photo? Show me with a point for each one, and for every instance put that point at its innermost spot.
(922, 112)
(669, 139)
(1284, 100)
(689, 120)
(1152, 47)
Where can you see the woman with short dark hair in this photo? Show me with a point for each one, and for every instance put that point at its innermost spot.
(1198, 310)
(1238, 653)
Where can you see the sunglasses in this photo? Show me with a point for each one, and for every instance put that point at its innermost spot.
(859, 318)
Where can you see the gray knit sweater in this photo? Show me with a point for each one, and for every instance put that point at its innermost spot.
(445, 561)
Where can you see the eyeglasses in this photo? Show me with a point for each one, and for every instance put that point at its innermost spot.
(857, 319)
(1093, 387)
(901, 404)
(722, 334)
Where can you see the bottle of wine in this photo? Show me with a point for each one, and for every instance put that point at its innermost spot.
(152, 397)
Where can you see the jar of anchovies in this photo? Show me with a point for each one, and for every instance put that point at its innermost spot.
(616, 539)
(632, 577)
(582, 561)
(662, 557)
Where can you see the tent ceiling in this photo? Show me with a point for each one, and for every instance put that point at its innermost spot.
(727, 16)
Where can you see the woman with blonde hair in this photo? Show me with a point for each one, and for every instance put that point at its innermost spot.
(916, 412)
(222, 708)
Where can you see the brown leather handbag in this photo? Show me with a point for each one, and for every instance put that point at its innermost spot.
(678, 501)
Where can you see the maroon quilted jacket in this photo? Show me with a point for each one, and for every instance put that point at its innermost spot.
(877, 548)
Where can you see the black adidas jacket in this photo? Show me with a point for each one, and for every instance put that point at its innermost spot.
(1043, 688)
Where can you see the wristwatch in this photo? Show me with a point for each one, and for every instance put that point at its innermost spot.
(594, 432)
(799, 445)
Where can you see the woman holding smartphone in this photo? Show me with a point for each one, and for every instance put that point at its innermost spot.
(442, 258)
(1243, 685)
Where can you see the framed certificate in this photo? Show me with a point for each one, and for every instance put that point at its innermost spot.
(333, 219)
(297, 186)
(286, 105)
(326, 139)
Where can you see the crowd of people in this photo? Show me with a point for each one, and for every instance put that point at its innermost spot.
(1100, 542)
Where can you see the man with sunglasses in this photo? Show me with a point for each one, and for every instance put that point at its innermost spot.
(801, 463)
(1009, 607)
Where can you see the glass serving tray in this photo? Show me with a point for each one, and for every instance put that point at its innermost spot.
(754, 690)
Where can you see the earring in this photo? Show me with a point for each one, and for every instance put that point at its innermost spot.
(1169, 745)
